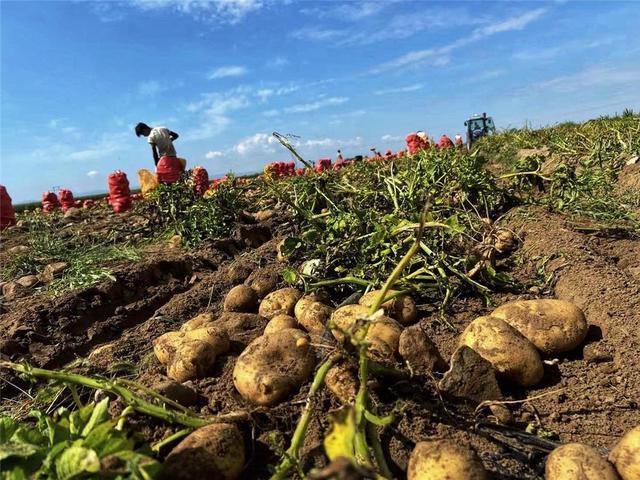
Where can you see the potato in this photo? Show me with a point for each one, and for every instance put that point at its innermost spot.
(214, 452)
(165, 346)
(384, 336)
(242, 328)
(214, 335)
(626, 455)
(273, 366)
(575, 461)
(197, 322)
(342, 382)
(263, 282)
(444, 460)
(419, 352)
(512, 355)
(241, 298)
(312, 314)
(193, 359)
(281, 301)
(401, 308)
(345, 317)
(553, 326)
(280, 322)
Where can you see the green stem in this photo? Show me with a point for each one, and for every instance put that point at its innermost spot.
(378, 453)
(137, 403)
(156, 447)
(75, 396)
(338, 281)
(290, 458)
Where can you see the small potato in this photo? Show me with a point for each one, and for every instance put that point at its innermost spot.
(553, 326)
(165, 346)
(384, 336)
(419, 352)
(512, 355)
(575, 461)
(312, 314)
(274, 366)
(213, 452)
(343, 383)
(401, 308)
(444, 460)
(241, 298)
(263, 282)
(280, 322)
(345, 317)
(626, 455)
(197, 322)
(281, 301)
(192, 360)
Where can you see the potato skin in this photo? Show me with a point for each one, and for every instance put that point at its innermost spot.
(444, 460)
(384, 336)
(280, 322)
(312, 314)
(198, 321)
(553, 326)
(626, 455)
(575, 461)
(192, 359)
(281, 301)
(512, 355)
(214, 452)
(273, 366)
(401, 308)
(165, 346)
(345, 317)
(342, 382)
(241, 298)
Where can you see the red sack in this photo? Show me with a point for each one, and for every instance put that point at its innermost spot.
(200, 179)
(322, 165)
(88, 203)
(66, 199)
(445, 142)
(168, 169)
(119, 193)
(7, 213)
(415, 143)
(49, 202)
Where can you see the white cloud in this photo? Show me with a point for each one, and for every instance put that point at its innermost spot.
(213, 154)
(228, 71)
(354, 11)
(310, 107)
(212, 112)
(550, 53)
(390, 138)
(590, 77)
(328, 142)
(150, 88)
(92, 173)
(277, 62)
(217, 11)
(259, 142)
(409, 88)
(440, 55)
(317, 34)
(271, 113)
(56, 122)
(265, 93)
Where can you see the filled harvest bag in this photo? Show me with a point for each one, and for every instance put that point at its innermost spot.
(7, 213)
(168, 169)
(49, 202)
(119, 193)
(200, 179)
(66, 199)
(148, 182)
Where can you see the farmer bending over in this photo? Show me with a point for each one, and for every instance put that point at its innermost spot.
(168, 167)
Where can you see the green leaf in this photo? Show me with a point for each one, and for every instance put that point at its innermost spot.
(8, 426)
(76, 461)
(290, 276)
(339, 441)
(98, 415)
(17, 449)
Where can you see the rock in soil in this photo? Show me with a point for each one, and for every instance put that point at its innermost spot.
(420, 352)
(28, 281)
(52, 271)
(471, 377)
(596, 353)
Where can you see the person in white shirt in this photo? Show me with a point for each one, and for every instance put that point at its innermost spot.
(161, 140)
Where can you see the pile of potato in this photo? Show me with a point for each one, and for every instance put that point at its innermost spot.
(515, 335)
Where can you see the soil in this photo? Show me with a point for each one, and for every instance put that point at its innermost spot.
(590, 395)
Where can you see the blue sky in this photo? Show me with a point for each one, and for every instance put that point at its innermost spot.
(77, 76)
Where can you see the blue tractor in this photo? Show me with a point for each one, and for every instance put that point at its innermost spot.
(478, 126)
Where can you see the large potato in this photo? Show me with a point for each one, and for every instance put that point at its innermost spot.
(553, 326)
(273, 366)
(626, 455)
(401, 308)
(192, 360)
(342, 382)
(345, 317)
(241, 298)
(444, 460)
(280, 322)
(198, 321)
(512, 355)
(165, 346)
(312, 314)
(214, 335)
(281, 301)
(242, 328)
(384, 336)
(575, 461)
(213, 452)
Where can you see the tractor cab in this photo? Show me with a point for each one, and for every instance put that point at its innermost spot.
(478, 126)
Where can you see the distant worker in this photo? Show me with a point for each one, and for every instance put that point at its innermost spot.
(445, 142)
(168, 166)
(339, 158)
(458, 140)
